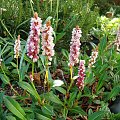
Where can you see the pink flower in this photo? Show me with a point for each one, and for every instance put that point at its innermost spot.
(33, 39)
(93, 58)
(81, 74)
(75, 46)
(117, 43)
(17, 47)
(47, 41)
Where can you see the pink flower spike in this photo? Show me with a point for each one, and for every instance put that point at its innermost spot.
(75, 46)
(17, 47)
(33, 39)
(93, 58)
(81, 74)
(47, 41)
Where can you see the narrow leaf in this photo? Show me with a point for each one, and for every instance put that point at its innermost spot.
(54, 98)
(29, 88)
(96, 115)
(42, 117)
(14, 107)
(10, 118)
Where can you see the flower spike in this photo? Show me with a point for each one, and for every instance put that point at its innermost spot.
(75, 46)
(33, 39)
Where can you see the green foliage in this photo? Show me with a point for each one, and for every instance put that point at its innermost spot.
(30, 89)
(96, 116)
(14, 107)
(38, 100)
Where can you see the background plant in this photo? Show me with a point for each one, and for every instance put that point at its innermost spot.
(33, 102)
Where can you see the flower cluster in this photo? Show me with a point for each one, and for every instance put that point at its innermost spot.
(117, 43)
(75, 46)
(93, 57)
(33, 39)
(47, 41)
(81, 74)
(17, 47)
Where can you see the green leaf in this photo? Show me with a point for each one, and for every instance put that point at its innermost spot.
(78, 110)
(102, 44)
(96, 115)
(1, 97)
(14, 107)
(41, 117)
(47, 109)
(10, 118)
(5, 78)
(3, 50)
(65, 112)
(22, 56)
(29, 88)
(60, 89)
(13, 64)
(114, 92)
(54, 98)
(89, 78)
(65, 53)
(101, 81)
(72, 98)
(43, 60)
(59, 36)
(23, 70)
(27, 59)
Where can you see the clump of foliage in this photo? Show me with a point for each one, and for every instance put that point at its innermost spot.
(64, 17)
(38, 90)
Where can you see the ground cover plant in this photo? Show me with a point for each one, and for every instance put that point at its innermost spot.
(58, 61)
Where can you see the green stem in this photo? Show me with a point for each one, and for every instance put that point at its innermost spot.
(39, 100)
(32, 69)
(33, 75)
(31, 6)
(70, 85)
(71, 78)
(71, 72)
(6, 29)
(14, 90)
(57, 9)
(46, 76)
(18, 70)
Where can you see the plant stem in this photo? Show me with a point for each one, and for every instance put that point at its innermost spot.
(32, 69)
(70, 85)
(31, 6)
(71, 78)
(39, 100)
(18, 69)
(6, 29)
(46, 76)
(33, 75)
(71, 72)
(57, 9)
(14, 90)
